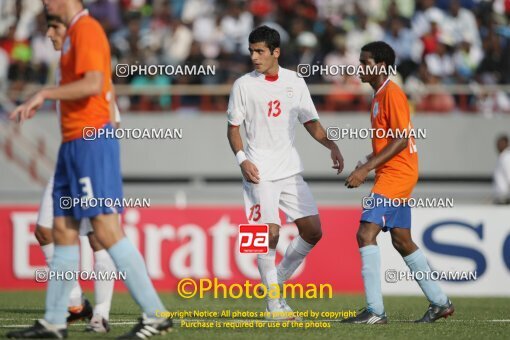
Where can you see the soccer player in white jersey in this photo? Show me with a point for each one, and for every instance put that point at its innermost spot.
(79, 308)
(270, 101)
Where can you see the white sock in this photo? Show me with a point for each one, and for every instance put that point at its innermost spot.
(103, 290)
(268, 275)
(75, 298)
(294, 256)
(48, 252)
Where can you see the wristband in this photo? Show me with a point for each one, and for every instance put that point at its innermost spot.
(241, 157)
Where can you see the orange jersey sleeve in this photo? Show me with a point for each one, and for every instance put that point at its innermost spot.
(85, 49)
(390, 112)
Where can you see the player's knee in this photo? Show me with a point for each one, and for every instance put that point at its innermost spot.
(274, 235)
(364, 238)
(316, 236)
(312, 237)
(65, 231)
(403, 246)
(43, 236)
(94, 242)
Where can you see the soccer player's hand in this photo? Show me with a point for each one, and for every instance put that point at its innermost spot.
(250, 172)
(338, 160)
(27, 110)
(357, 177)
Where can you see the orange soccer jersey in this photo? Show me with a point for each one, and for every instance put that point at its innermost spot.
(85, 49)
(390, 111)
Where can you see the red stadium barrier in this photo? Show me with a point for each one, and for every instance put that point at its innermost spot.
(198, 242)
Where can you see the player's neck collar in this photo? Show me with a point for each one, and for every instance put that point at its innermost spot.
(382, 86)
(77, 16)
(271, 77)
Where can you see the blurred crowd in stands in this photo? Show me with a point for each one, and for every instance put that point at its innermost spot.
(464, 42)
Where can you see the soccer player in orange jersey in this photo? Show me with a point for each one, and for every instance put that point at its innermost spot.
(395, 161)
(79, 306)
(87, 169)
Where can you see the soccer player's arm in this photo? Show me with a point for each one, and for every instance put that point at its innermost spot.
(90, 85)
(309, 117)
(366, 159)
(317, 131)
(89, 61)
(397, 113)
(236, 113)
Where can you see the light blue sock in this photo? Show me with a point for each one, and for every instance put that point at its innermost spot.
(128, 259)
(65, 258)
(418, 263)
(371, 272)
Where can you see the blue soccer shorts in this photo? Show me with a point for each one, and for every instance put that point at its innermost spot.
(386, 213)
(88, 181)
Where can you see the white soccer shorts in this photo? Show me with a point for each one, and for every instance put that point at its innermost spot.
(45, 215)
(292, 195)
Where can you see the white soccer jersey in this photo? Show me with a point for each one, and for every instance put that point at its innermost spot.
(270, 111)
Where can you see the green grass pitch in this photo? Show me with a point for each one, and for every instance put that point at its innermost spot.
(474, 318)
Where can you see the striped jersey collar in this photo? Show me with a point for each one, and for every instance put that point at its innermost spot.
(77, 16)
(269, 77)
(382, 86)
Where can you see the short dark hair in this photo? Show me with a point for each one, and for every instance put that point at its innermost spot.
(381, 52)
(51, 17)
(503, 138)
(265, 34)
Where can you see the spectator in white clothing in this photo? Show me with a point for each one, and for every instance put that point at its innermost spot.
(501, 177)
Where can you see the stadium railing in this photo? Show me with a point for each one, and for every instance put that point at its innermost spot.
(328, 94)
